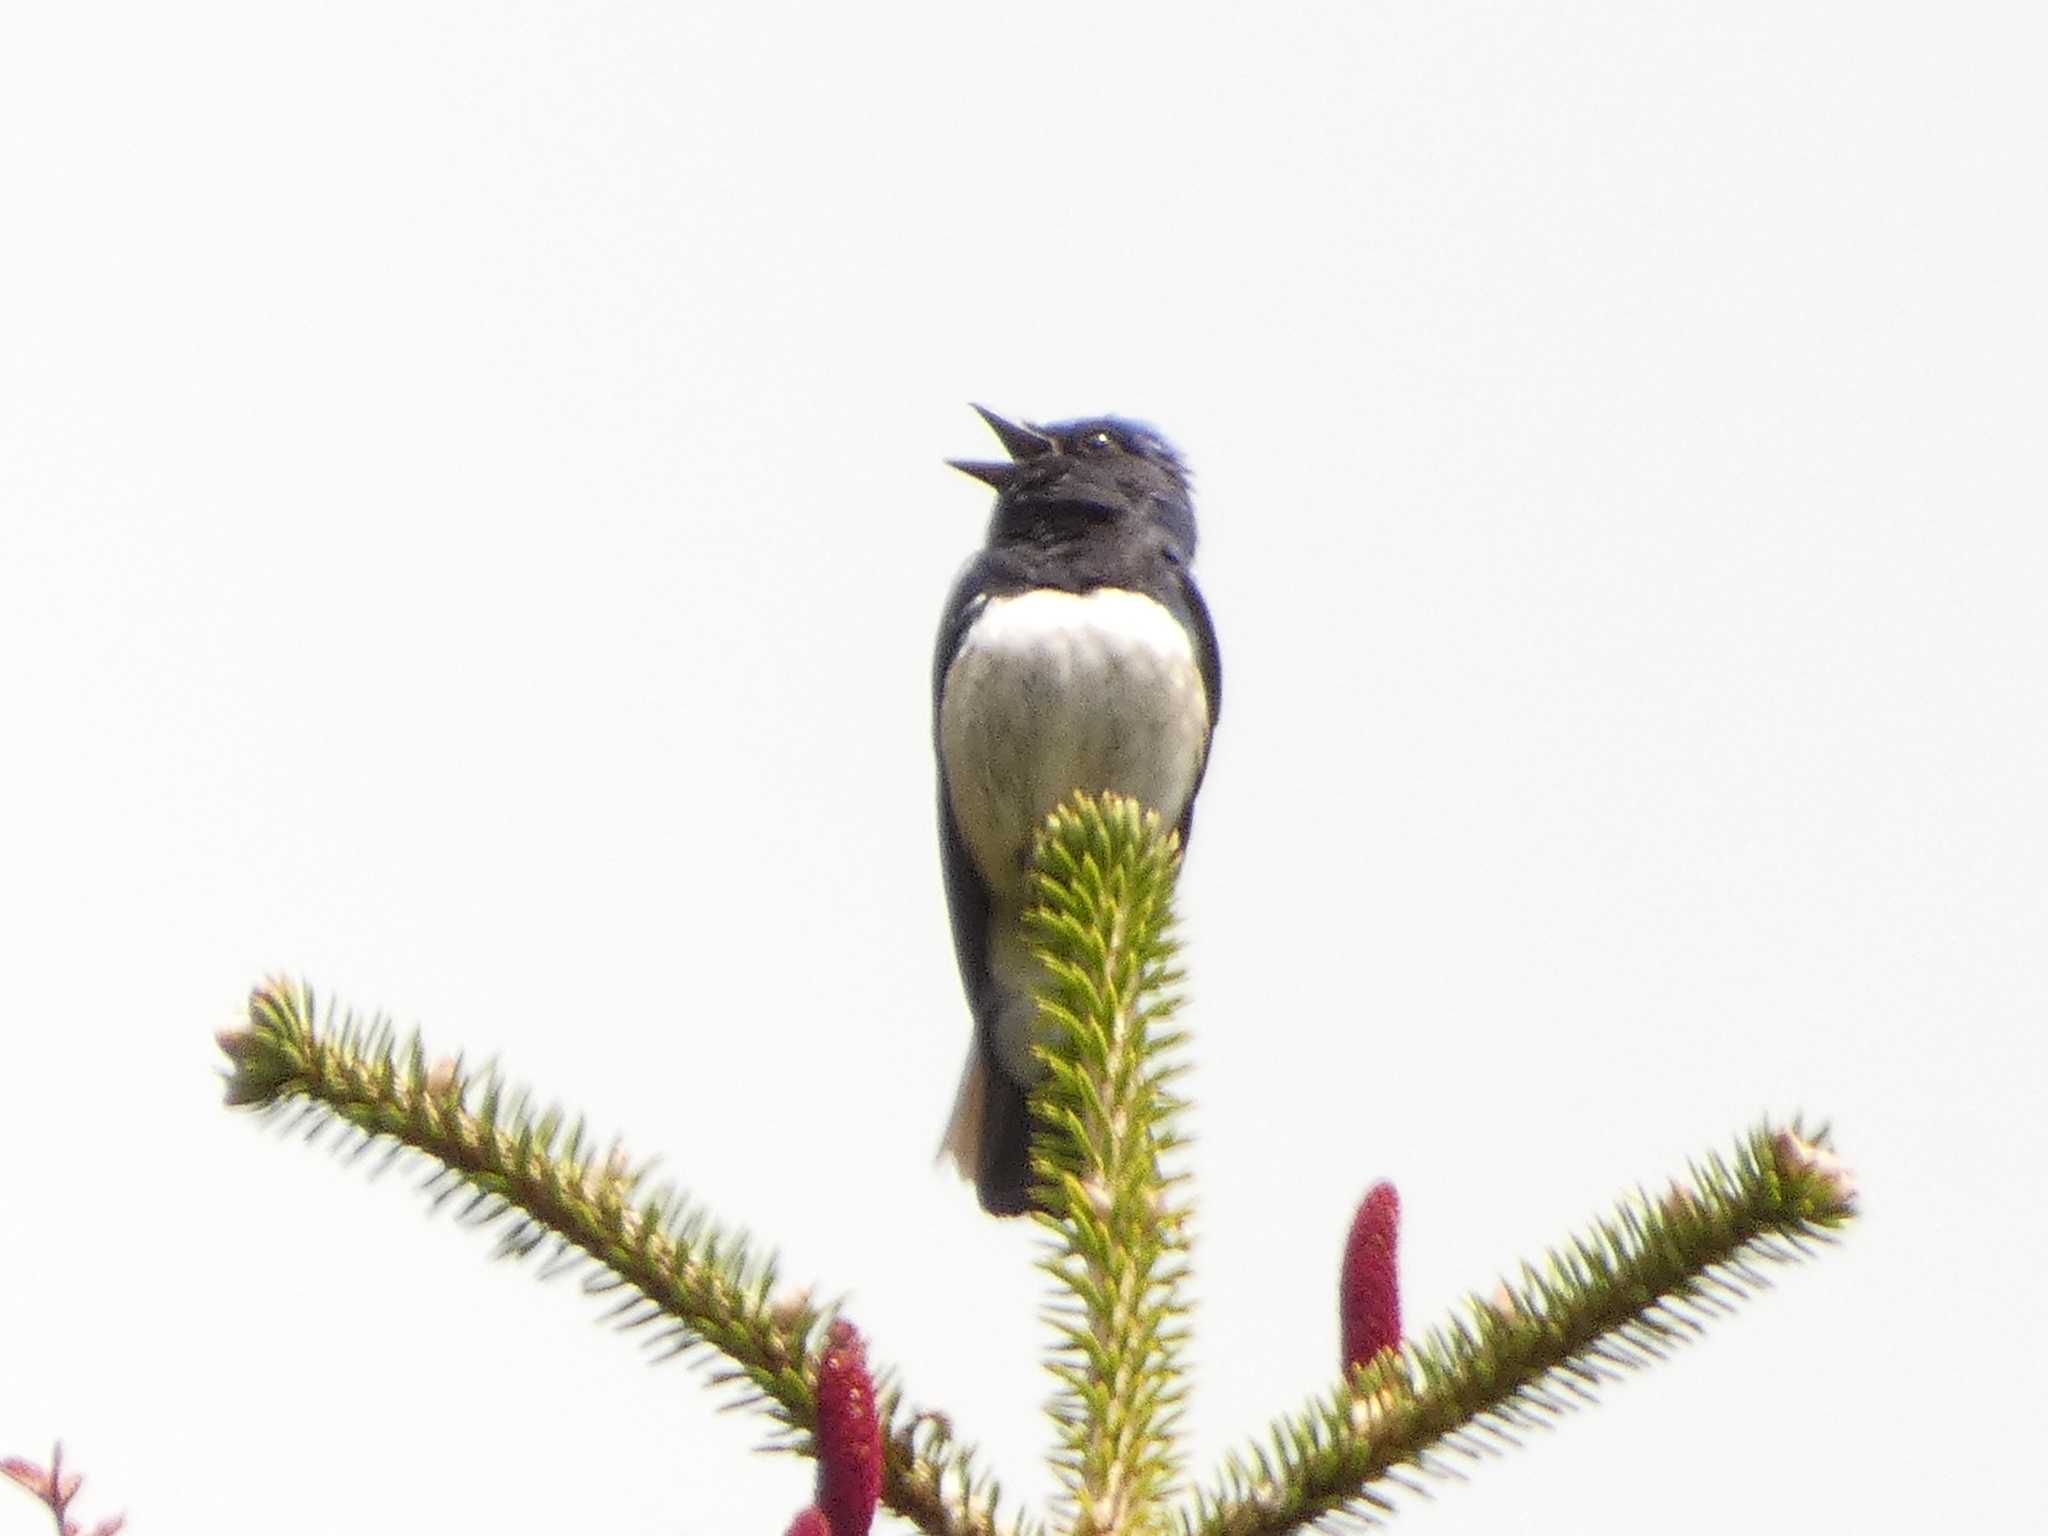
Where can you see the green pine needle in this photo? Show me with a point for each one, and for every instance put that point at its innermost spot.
(545, 1183)
(1117, 1235)
(1644, 1279)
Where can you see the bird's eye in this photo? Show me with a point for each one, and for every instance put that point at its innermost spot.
(1099, 441)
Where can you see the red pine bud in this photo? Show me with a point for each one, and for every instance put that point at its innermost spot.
(1369, 1291)
(849, 1435)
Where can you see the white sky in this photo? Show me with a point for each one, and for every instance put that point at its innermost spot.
(471, 530)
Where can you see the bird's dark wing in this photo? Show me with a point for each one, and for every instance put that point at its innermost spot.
(1002, 1155)
(967, 894)
(1185, 599)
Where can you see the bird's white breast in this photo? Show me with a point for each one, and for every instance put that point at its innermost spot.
(1051, 692)
(1057, 691)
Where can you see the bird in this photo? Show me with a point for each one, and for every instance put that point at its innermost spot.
(1075, 653)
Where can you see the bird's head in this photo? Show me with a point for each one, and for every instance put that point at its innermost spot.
(1071, 478)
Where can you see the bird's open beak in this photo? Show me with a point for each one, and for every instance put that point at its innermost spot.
(1021, 439)
(987, 471)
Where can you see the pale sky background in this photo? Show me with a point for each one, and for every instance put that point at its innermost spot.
(471, 530)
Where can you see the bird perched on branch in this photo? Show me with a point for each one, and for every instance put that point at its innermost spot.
(1075, 653)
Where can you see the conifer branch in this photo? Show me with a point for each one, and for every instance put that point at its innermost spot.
(1615, 1299)
(695, 1283)
(1118, 1235)
(1116, 1230)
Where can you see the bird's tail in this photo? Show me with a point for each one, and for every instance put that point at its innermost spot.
(988, 1137)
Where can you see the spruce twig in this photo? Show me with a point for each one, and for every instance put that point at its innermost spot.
(1117, 1237)
(548, 1187)
(1616, 1298)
